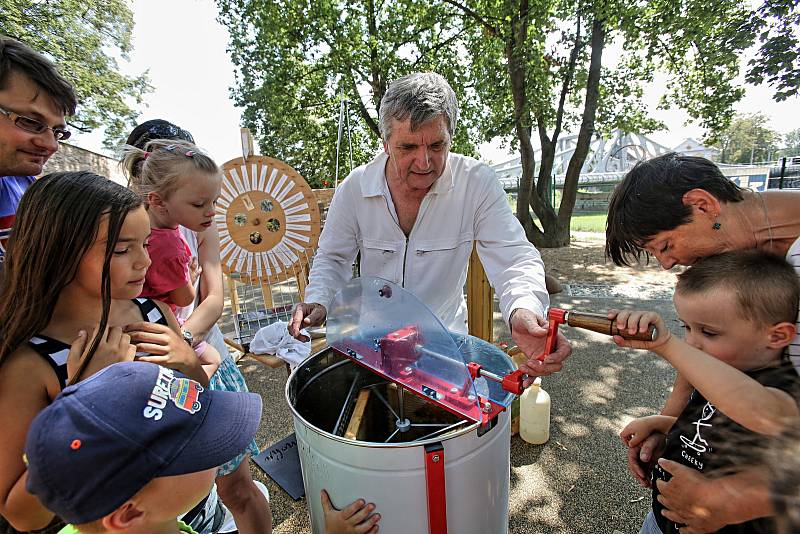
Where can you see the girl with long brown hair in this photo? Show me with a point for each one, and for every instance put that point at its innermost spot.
(75, 263)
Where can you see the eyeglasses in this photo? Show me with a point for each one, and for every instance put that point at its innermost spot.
(34, 126)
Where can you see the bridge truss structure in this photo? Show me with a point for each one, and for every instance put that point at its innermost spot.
(610, 157)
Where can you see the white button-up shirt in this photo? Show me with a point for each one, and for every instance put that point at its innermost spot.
(465, 205)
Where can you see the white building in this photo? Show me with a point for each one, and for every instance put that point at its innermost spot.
(693, 147)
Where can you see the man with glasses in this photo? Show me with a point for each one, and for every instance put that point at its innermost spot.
(34, 99)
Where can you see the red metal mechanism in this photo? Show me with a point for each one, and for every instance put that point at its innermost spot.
(513, 382)
(398, 349)
(437, 495)
(394, 356)
(555, 317)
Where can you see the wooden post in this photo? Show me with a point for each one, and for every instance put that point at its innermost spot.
(302, 282)
(247, 143)
(266, 292)
(233, 295)
(480, 300)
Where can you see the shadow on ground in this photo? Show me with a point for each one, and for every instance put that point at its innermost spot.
(578, 481)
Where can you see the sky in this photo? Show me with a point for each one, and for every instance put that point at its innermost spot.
(183, 48)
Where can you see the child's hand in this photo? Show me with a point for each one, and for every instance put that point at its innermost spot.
(115, 346)
(195, 270)
(165, 348)
(636, 321)
(356, 518)
(639, 429)
(645, 439)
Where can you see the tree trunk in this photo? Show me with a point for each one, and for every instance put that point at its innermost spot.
(515, 54)
(378, 81)
(553, 233)
(585, 134)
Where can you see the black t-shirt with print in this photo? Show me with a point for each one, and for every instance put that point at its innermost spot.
(708, 441)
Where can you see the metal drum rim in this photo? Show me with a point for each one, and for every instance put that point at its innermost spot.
(358, 443)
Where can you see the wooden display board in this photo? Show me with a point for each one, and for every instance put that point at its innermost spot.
(268, 220)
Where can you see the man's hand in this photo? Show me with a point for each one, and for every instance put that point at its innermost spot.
(306, 315)
(115, 346)
(692, 499)
(529, 332)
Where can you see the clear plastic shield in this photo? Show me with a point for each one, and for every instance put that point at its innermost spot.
(491, 358)
(387, 329)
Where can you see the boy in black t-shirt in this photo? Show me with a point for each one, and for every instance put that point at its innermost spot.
(738, 311)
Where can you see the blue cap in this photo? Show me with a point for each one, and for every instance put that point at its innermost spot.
(105, 438)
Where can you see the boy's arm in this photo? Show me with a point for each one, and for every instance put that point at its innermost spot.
(756, 407)
(678, 397)
(681, 389)
(644, 437)
(761, 409)
(640, 428)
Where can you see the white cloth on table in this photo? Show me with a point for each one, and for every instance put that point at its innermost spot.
(275, 339)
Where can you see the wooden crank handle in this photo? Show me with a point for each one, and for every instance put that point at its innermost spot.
(600, 323)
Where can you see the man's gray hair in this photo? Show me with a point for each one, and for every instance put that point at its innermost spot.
(423, 96)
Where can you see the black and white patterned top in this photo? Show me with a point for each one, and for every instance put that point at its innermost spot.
(55, 352)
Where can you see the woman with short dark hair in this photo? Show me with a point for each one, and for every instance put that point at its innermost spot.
(680, 209)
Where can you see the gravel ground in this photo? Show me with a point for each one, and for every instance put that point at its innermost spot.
(578, 481)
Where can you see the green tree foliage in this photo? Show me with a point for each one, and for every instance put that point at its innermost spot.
(748, 139)
(297, 59)
(777, 62)
(541, 69)
(83, 37)
(524, 70)
(791, 143)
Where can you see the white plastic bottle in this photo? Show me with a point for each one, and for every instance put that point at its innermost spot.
(534, 414)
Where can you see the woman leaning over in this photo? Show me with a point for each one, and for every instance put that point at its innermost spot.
(679, 209)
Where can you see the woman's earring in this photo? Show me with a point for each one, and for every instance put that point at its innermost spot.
(716, 226)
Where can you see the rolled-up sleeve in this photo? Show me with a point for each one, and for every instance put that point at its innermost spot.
(513, 265)
(338, 245)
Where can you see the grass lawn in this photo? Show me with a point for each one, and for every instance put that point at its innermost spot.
(588, 222)
(581, 222)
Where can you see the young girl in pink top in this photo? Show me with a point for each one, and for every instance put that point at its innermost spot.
(179, 185)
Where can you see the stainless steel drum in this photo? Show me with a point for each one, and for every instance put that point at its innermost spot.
(390, 414)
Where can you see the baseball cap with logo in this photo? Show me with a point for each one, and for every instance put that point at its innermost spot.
(104, 439)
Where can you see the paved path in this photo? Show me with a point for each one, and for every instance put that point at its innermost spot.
(575, 483)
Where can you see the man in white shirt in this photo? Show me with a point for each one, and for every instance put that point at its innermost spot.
(414, 213)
